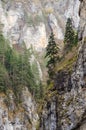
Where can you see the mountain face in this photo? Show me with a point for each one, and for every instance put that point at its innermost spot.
(31, 21)
(18, 117)
(65, 109)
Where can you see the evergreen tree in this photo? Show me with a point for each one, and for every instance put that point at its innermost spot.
(71, 37)
(52, 55)
(2, 49)
(4, 77)
(16, 71)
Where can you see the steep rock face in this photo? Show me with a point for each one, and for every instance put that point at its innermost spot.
(49, 117)
(82, 12)
(73, 103)
(31, 21)
(70, 103)
(18, 25)
(70, 86)
(14, 117)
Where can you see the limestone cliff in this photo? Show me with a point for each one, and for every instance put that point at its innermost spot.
(65, 107)
(31, 21)
(15, 115)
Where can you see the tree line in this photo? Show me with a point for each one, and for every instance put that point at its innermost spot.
(15, 70)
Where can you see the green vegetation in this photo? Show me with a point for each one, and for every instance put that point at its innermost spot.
(4, 79)
(67, 62)
(52, 55)
(33, 19)
(71, 36)
(70, 50)
(15, 70)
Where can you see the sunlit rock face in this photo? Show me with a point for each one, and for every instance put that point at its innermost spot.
(19, 24)
(36, 36)
(32, 21)
(82, 12)
(21, 117)
(59, 11)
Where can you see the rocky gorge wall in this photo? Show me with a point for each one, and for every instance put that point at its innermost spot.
(69, 96)
(18, 116)
(31, 22)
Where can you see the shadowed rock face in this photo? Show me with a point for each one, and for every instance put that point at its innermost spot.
(82, 127)
(49, 118)
(31, 21)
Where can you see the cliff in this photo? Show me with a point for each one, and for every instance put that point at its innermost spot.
(64, 106)
(18, 115)
(32, 20)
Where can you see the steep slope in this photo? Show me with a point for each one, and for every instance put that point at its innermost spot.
(31, 20)
(65, 104)
(18, 116)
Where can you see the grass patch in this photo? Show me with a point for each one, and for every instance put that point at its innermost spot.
(68, 61)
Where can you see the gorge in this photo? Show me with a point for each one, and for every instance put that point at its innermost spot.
(63, 106)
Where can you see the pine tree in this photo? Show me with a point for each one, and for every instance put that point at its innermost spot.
(71, 36)
(2, 49)
(16, 70)
(52, 55)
